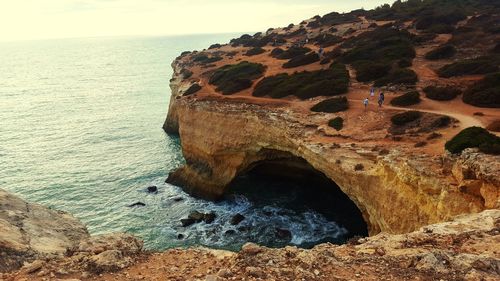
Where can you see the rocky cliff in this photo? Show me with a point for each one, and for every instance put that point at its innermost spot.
(31, 233)
(398, 189)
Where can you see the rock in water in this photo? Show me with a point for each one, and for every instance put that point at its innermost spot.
(209, 217)
(137, 204)
(152, 189)
(283, 233)
(196, 216)
(187, 222)
(236, 219)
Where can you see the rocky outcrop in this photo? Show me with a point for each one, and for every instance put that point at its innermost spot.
(467, 248)
(31, 232)
(397, 193)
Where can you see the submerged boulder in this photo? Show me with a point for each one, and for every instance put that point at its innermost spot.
(236, 219)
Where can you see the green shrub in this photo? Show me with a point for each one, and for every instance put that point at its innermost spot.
(407, 99)
(440, 17)
(335, 18)
(326, 40)
(331, 105)
(291, 53)
(441, 93)
(442, 52)
(192, 89)
(405, 117)
(442, 121)
(398, 76)
(441, 28)
(205, 59)
(474, 137)
(325, 61)
(276, 52)
(230, 79)
(337, 123)
(405, 62)
(481, 65)
(300, 60)
(214, 46)
(484, 93)
(369, 71)
(328, 82)
(186, 73)
(254, 51)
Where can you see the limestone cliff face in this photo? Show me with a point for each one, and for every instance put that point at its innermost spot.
(396, 193)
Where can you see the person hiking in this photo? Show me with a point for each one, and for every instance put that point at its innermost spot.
(365, 102)
(381, 99)
(320, 52)
(372, 92)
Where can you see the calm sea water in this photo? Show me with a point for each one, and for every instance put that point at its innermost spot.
(80, 131)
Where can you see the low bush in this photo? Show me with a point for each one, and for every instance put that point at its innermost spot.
(481, 65)
(349, 31)
(405, 117)
(314, 24)
(205, 59)
(442, 52)
(214, 46)
(186, 73)
(369, 71)
(192, 89)
(441, 29)
(332, 105)
(441, 93)
(325, 61)
(337, 123)
(326, 40)
(300, 60)
(290, 53)
(442, 17)
(276, 52)
(335, 18)
(405, 62)
(254, 51)
(485, 92)
(442, 121)
(230, 79)
(398, 76)
(328, 82)
(407, 99)
(474, 137)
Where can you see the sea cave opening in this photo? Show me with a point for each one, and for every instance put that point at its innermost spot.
(299, 204)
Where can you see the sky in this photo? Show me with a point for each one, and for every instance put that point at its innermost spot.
(44, 19)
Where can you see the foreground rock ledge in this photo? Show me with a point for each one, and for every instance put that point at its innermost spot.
(467, 248)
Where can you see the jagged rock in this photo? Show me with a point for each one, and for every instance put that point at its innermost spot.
(33, 267)
(197, 216)
(125, 243)
(31, 231)
(111, 260)
(209, 217)
(187, 222)
(236, 219)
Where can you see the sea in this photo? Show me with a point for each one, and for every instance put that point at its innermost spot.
(81, 131)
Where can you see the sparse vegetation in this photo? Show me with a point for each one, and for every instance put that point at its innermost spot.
(481, 65)
(255, 51)
(442, 52)
(326, 40)
(441, 93)
(337, 123)
(407, 99)
(474, 137)
(398, 76)
(329, 82)
(332, 105)
(405, 117)
(369, 71)
(290, 53)
(485, 93)
(300, 60)
(359, 167)
(205, 59)
(192, 89)
(230, 79)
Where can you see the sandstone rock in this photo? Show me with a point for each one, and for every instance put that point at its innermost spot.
(111, 260)
(250, 249)
(30, 231)
(224, 273)
(33, 267)
(125, 243)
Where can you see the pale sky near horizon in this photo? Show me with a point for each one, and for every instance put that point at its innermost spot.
(44, 19)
